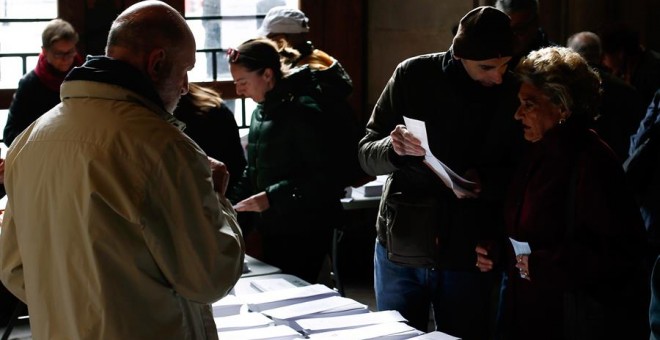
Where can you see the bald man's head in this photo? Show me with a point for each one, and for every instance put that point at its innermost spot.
(154, 38)
(148, 25)
(587, 44)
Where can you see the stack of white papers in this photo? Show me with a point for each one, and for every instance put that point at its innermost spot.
(277, 298)
(242, 321)
(228, 305)
(273, 333)
(325, 307)
(268, 285)
(326, 324)
(435, 336)
(390, 331)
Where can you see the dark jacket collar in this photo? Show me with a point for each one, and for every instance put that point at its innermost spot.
(299, 82)
(115, 72)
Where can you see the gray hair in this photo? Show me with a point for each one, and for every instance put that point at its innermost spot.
(566, 78)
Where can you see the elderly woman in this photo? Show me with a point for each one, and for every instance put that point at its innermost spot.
(582, 273)
(288, 178)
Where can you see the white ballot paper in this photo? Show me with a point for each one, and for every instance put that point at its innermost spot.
(461, 186)
(520, 248)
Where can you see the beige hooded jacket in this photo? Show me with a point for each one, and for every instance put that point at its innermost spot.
(112, 228)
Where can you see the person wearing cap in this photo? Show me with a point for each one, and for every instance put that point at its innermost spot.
(427, 235)
(289, 27)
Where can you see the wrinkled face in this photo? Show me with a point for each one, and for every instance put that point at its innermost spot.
(536, 112)
(252, 84)
(486, 72)
(61, 54)
(172, 80)
(525, 25)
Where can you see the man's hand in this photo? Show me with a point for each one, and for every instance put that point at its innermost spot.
(219, 175)
(404, 143)
(255, 203)
(484, 263)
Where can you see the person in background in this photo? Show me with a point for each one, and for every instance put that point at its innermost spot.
(288, 179)
(116, 225)
(586, 276)
(621, 107)
(529, 35)
(426, 234)
(654, 310)
(643, 172)
(39, 90)
(626, 57)
(211, 124)
(289, 29)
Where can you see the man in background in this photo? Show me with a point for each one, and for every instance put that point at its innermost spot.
(621, 108)
(116, 225)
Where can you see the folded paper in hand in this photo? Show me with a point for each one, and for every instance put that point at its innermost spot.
(520, 248)
(461, 186)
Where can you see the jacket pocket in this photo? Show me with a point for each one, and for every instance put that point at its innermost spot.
(412, 230)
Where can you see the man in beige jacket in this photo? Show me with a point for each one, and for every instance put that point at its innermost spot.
(116, 227)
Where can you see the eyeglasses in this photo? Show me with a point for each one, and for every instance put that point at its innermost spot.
(63, 55)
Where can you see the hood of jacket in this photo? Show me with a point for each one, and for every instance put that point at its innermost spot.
(299, 82)
(102, 69)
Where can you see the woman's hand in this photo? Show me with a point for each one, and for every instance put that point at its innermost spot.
(404, 143)
(522, 263)
(484, 263)
(255, 203)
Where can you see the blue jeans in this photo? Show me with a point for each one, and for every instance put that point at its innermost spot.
(460, 300)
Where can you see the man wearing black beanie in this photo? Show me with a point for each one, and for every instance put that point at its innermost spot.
(427, 233)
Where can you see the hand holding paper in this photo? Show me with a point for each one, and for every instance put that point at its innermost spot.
(522, 250)
(405, 143)
(462, 187)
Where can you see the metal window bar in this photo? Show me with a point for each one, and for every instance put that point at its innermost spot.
(214, 51)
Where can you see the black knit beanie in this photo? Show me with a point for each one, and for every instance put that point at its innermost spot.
(484, 33)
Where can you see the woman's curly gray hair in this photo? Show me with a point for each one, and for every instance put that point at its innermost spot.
(566, 78)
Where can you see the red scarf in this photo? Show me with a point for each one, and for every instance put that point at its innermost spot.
(49, 75)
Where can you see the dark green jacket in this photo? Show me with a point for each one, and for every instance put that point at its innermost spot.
(288, 159)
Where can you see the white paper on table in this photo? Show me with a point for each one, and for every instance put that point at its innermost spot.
(283, 297)
(299, 310)
(435, 336)
(461, 186)
(520, 248)
(370, 332)
(271, 332)
(316, 325)
(267, 285)
(242, 321)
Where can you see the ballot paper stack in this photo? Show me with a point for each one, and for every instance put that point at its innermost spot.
(284, 297)
(318, 308)
(229, 305)
(271, 333)
(275, 309)
(388, 331)
(336, 323)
